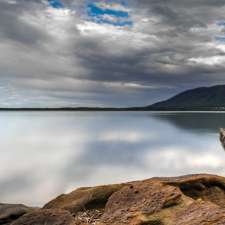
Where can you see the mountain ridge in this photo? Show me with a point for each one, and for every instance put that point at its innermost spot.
(201, 98)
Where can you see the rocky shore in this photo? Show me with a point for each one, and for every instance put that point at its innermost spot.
(187, 200)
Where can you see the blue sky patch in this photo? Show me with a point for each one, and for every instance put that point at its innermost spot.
(56, 4)
(221, 38)
(96, 11)
(221, 23)
(109, 12)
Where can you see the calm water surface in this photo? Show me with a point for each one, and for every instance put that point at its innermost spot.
(44, 154)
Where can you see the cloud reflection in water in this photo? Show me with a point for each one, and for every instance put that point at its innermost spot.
(44, 154)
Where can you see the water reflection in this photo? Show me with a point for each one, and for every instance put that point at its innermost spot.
(206, 122)
(46, 153)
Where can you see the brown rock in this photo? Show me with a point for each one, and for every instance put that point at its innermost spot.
(207, 187)
(84, 198)
(200, 212)
(186, 200)
(46, 217)
(133, 204)
(11, 212)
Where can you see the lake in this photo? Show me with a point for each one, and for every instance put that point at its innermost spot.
(44, 154)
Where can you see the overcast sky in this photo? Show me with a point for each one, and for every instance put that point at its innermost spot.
(108, 53)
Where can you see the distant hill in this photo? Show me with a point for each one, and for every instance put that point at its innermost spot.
(203, 98)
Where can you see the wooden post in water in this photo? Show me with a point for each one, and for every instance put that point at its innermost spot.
(222, 136)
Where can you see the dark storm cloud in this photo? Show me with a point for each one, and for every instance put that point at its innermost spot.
(14, 27)
(60, 56)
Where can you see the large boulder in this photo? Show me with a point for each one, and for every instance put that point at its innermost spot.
(188, 200)
(11, 212)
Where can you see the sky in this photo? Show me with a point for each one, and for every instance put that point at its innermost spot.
(108, 52)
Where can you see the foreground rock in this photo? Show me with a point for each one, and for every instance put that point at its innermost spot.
(188, 200)
(46, 217)
(11, 212)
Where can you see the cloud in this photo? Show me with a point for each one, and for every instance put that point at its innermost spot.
(112, 6)
(57, 54)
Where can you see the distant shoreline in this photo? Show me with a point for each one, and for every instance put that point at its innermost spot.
(134, 109)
